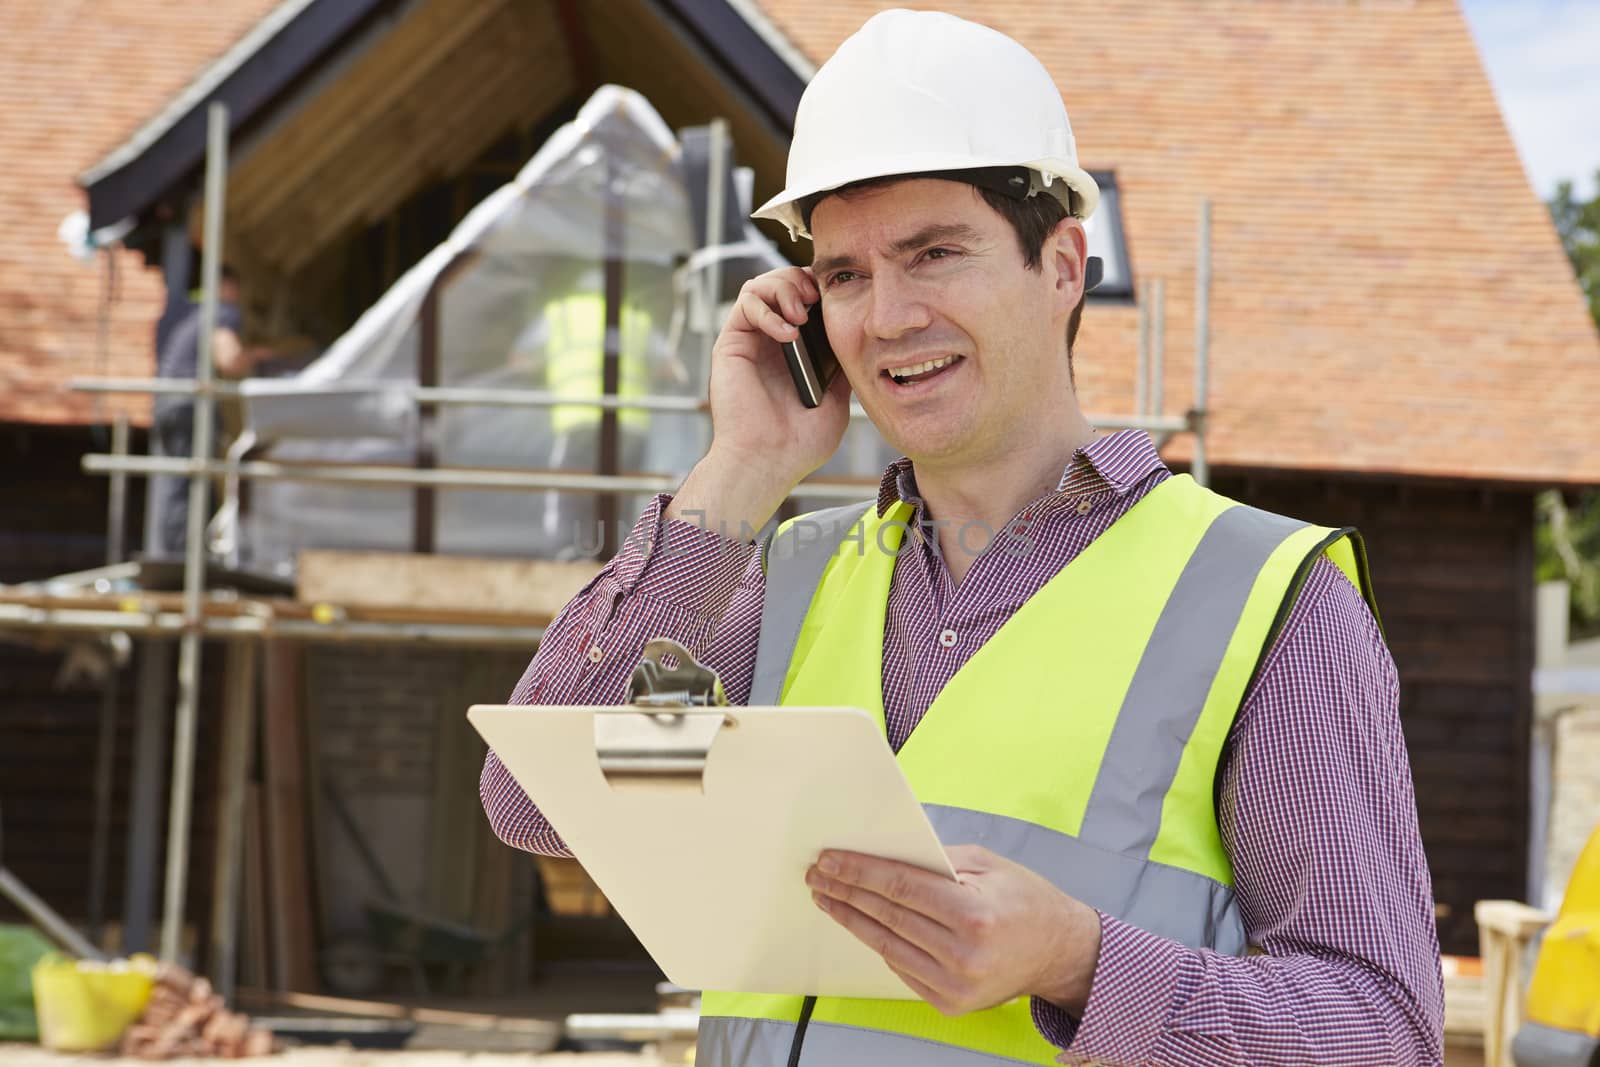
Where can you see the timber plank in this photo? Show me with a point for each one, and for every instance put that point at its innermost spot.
(395, 581)
(360, 101)
(284, 789)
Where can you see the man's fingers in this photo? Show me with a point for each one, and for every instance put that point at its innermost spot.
(792, 296)
(901, 955)
(925, 933)
(922, 891)
(794, 306)
(798, 280)
(785, 293)
(762, 316)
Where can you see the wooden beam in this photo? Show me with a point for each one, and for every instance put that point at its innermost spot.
(238, 740)
(1523, 656)
(439, 98)
(429, 137)
(516, 76)
(423, 512)
(635, 45)
(376, 580)
(579, 48)
(254, 967)
(283, 766)
(377, 1009)
(279, 170)
(145, 823)
(616, 233)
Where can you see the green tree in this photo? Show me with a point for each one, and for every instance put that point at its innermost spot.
(1578, 223)
(1568, 535)
(1567, 542)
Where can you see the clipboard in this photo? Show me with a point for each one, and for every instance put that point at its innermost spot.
(698, 821)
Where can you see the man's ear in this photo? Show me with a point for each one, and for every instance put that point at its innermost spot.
(1066, 253)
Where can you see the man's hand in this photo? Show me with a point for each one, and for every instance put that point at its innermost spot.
(998, 933)
(232, 358)
(754, 406)
(764, 441)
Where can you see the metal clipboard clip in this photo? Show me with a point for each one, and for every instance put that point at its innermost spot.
(663, 735)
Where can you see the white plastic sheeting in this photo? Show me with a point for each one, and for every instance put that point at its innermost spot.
(608, 185)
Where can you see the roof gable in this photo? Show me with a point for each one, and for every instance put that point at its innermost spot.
(1388, 293)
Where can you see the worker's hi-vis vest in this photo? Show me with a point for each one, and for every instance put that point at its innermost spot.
(1081, 741)
(576, 360)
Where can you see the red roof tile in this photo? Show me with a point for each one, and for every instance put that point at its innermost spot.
(76, 79)
(1389, 294)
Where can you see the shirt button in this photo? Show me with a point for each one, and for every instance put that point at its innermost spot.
(947, 638)
(596, 654)
(1084, 507)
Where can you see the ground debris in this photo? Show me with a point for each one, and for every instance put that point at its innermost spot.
(186, 1017)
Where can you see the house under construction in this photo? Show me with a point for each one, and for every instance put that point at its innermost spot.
(418, 192)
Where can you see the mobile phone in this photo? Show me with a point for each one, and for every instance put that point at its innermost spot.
(811, 361)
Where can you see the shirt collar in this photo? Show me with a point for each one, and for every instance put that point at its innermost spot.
(1114, 463)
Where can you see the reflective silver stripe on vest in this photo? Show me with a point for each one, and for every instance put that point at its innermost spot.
(1174, 677)
(1535, 1045)
(1169, 901)
(733, 1042)
(794, 562)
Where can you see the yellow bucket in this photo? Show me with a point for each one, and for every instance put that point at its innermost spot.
(84, 1006)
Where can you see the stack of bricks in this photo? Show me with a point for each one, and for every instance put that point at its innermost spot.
(186, 1018)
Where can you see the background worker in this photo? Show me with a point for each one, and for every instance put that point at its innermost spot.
(178, 356)
(1199, 834)
(569, 339)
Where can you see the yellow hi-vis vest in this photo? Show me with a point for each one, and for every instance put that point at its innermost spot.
(1081, 741)
(575, 360)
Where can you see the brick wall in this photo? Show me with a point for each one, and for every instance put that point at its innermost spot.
(376, 714)
(389, 732)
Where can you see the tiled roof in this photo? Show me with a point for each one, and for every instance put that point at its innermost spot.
(77, 78)
(1389, 294)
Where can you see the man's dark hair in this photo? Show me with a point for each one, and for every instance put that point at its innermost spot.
(1032, 219)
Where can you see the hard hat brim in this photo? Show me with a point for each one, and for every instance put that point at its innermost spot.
(785, 207)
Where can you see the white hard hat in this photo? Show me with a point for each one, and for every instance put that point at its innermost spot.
(920, 92)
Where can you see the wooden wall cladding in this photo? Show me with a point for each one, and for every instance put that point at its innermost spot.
(1453, 571)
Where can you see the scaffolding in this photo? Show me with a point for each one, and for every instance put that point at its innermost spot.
(94, 602)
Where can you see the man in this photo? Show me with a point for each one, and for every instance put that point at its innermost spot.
(1168, 720)
(178, 356)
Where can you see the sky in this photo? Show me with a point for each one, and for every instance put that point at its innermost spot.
(1543, 57)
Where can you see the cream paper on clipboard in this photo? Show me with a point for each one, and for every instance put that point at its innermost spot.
(698, 824)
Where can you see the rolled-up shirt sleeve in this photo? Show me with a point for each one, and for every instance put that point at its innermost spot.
(1319, 817)
(671, 578)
